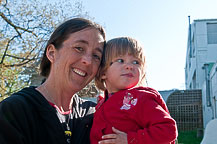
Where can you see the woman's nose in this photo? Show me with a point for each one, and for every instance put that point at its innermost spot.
(86, 59)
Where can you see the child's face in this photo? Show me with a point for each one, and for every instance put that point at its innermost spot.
(124, 72)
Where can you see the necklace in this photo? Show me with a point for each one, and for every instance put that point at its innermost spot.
(68, 132)
(51, 99)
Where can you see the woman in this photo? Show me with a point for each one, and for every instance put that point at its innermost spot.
(52, 113)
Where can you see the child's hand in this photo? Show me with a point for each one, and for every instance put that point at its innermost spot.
(118, 138)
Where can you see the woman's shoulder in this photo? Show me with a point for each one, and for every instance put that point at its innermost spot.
(19, 95)
(23, 98)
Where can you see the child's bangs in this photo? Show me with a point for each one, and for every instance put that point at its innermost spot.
(123, 46)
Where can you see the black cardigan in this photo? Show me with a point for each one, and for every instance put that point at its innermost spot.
(26, 117)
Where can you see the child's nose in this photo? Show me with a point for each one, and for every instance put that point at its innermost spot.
(129, 66)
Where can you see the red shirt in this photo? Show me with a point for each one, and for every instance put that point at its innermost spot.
(140, 112)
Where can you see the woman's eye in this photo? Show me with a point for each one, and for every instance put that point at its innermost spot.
(136, 62)
(120, 60)
(96, 57)
(79, 49)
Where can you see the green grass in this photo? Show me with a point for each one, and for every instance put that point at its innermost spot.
(188, 137)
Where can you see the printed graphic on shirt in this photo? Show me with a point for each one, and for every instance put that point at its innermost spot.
(128, 101)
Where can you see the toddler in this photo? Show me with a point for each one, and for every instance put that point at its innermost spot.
(129, 113)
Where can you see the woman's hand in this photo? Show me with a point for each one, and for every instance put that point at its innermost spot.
(118, 137)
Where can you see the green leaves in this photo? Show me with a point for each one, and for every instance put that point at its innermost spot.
(24, 28)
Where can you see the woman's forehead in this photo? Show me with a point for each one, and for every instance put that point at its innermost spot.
(87, 36)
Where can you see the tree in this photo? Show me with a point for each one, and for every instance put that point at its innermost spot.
(24, 28)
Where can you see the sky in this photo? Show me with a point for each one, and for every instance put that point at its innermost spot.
(161, 26)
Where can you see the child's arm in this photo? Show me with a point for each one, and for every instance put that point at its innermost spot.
(153, 116)
(158, 125)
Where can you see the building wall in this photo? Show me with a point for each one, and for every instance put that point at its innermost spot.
(213, 90)
(210, 99)
(207, 110)
(200, 57)
(199, 52)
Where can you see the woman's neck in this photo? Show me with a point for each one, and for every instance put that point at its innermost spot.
(57, 96)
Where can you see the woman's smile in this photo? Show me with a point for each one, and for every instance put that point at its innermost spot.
(79, 72)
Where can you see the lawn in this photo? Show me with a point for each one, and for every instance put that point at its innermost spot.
(188, 137)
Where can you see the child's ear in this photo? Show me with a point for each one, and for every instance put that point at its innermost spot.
(51, 52)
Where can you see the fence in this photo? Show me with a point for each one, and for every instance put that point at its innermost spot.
(185, 107)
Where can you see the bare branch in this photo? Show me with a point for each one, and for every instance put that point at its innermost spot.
(19, 64)
(31, 52)
(6, 2)
(3, 88)
(16, 57)
(6, 49)
(26, 26)
(14, 26)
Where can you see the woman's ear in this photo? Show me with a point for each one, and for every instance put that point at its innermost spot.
(51, 52)
(103, 76)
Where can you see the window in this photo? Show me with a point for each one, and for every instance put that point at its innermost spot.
(212, 33)
(194, 80)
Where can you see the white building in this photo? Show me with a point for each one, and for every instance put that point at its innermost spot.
(209, 93)
(213, 90)
(201, 49)
(200, 57)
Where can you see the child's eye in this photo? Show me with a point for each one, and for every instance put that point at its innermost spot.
(120, 60)
(117, 61)
(136, 62)
(79, 49)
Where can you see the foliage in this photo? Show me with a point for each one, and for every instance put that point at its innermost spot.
(24, 28)
(188, 137)
(89, 91)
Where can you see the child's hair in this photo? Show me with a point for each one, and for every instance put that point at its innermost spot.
(117, 47)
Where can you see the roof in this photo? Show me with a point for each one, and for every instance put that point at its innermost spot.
(165, 94)
(198, 20)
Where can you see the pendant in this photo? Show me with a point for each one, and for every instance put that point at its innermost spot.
(68, 133)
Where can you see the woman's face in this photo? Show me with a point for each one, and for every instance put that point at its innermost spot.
(75, 64)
